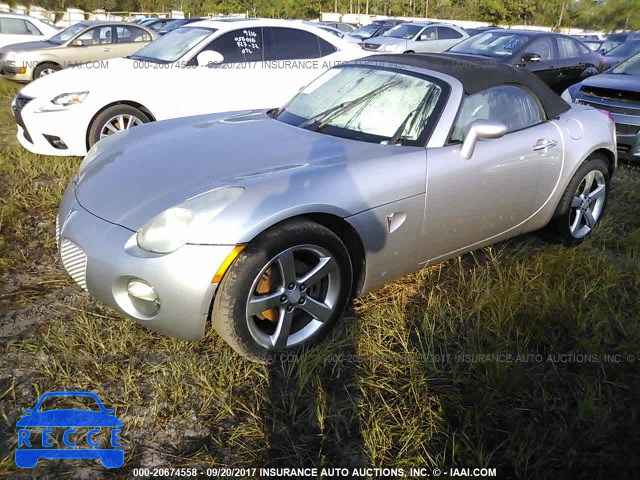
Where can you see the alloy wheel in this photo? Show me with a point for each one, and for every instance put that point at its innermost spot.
(293, 296)
(119, 123)
(587, 204)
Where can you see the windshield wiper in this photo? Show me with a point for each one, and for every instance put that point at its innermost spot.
(412, 115)
(326, 116)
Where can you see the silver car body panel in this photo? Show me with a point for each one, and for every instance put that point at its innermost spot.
(410, 206)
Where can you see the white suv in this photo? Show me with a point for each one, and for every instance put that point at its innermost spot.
(15, 28)
(204, 67)
(417, 37)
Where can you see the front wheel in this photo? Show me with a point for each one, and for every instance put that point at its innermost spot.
(115, 119)
(583, 202)
(284, 292)
(45, 69)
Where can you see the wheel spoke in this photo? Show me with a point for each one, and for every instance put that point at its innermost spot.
(588, 215)
(576, 222)
(286, 263)
(597, 193)
(321, 270)
(588, 183)
(318, 310)
(259, 304)
(121, 122)
(576, 202)
(111, 127)
(280, 336)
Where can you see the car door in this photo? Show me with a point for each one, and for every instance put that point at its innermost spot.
(17, 30)
(571, 63)
(447, 37)
(547, 68)
(473, 202)
(234, 84)
(425, 42)
(129, 39)
(93, 44)
(293, 58)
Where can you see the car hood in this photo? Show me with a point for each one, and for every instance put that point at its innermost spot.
(28, 46)
(77, 78)
(614, 81)
(69, 418)
(156, 166)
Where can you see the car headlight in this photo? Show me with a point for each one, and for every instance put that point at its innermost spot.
(67, 99)
(187, 222)
(566, 96)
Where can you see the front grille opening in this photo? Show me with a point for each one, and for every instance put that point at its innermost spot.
(74, 261)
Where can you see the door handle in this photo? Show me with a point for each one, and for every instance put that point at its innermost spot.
(106, 50)
(544, 144)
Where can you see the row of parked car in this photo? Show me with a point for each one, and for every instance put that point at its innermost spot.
(291, 170)
(68, 113)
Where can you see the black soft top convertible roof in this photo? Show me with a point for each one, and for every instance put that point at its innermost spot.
(477, 74)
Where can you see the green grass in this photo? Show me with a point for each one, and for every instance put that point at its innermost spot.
(493, 359)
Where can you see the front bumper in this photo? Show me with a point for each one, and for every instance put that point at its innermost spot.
(627, 119)
(41, 127)
(102, 257)
(16, 71)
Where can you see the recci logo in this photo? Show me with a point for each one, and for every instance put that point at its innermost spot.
(92, 432)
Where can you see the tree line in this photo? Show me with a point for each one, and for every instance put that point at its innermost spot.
(606, 15)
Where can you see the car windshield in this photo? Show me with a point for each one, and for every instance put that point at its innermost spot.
(492, 44)
(403, 31)
(368, 104)
(631, 66)
(173, 45)
(365, 32)
(67, 34)
(625, 50)
(171, 26)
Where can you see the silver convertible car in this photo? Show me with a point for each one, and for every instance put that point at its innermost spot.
(267, 222)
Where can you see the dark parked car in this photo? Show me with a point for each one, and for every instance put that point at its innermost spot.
(621, 53)
(559, 60)
(177, 23)
(616, 91)
(160, 23)
(342, 26)
(615, 39)
(374, 29)
(477, 30)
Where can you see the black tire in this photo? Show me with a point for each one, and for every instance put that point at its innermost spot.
(587, 72)
(103, 117)
(45, 69)
(559, 229)
(248, 335)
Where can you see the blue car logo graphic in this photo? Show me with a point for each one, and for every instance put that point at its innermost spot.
(28, 454)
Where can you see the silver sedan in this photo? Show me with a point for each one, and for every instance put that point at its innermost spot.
(268, 222)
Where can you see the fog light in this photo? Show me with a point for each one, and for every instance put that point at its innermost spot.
(55, 142)
(143, 297)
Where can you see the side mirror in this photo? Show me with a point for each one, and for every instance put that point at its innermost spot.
(481, 129)
(531, 58)
(77, 43)
(423, 37)
(209, 58)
